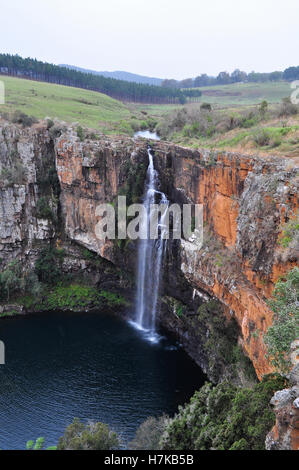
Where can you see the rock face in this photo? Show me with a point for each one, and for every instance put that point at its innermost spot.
(285, 434)
(246, 202)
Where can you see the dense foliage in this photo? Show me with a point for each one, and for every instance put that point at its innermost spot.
(224, 418)
(15, 65)
(285, 328)
(237, 76)
(48, 265)
(149, 434)
(205, 126)
(94, 436)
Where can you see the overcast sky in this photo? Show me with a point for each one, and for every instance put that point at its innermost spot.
(161, 38)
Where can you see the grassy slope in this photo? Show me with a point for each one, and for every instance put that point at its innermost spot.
(246, 93)
(69, 104)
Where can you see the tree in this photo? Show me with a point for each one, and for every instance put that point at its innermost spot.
(285, 327)
(223, 78)
(11, 279)
(263, 107)
(48, 265)
(224, 417)
(148, 434)
(238, 76)
(94, 436)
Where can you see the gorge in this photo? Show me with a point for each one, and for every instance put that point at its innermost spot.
(213, 301)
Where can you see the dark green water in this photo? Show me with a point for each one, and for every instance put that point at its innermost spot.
(92, 366)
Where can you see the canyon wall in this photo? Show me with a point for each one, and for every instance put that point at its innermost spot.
(246, 200)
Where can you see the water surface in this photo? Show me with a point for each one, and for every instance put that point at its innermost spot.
(147, 135)
(92, 366)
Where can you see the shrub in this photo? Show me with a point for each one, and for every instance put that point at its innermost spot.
(263, 107)
(290, 232)
(39, 444)
(149, 434)
(262, 137)
(24, 119)
(224, 417)
(43, 210)
(16, 174)
(50, 124)
(206, 106)
(285, 328)
(11, 280)
(80, 133)
(287, 108)
(94, 436)
(48, 265)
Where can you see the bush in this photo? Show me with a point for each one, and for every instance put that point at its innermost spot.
(48, 265)
(43, 210)
(16, 174)
(94, 436)
(39, 444)
(24, 119)
(11, 280)
(80, 133)
(287, 108)
(262, 138)
(149, 434)
(206, 106)
(224, 418)
(285, 328)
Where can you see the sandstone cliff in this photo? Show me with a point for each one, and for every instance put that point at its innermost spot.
(247, 201)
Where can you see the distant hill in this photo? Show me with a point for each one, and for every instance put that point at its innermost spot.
(119, 75)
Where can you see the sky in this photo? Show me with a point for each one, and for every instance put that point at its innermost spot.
(158, 38)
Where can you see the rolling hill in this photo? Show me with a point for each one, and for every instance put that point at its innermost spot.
(119, 75)
(38, 99)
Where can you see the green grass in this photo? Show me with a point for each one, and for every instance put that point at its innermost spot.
(246, 93)
(41, 100)
(75, 297)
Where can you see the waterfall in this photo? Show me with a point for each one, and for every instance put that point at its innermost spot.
(150, 258)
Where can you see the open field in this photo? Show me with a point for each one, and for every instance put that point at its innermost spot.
(90, 109)
(246, 93)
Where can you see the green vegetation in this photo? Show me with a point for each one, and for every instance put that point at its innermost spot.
(43, 209)
(39, 444)
(285, 328)
(80, 133)
(10, 280)
(93, 436)
(74, 297)
(47, 288)
(224, 418)
(42, 100)
(262, 127)
(244, 94)
(221, 345)
(149, 434)
(48, 265)
(290, 233)
(120, 89)
(134, 186)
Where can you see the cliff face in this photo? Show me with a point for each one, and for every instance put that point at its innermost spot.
(246, 202)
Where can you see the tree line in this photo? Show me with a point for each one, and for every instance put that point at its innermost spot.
(14, 65)
(224, 78)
